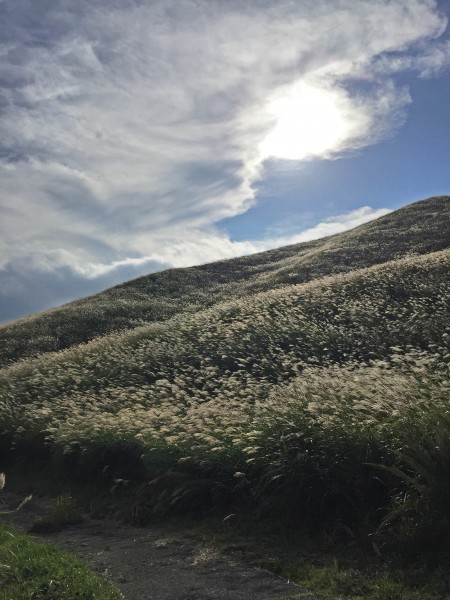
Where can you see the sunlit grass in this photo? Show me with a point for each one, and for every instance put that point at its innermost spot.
(419, 228)
(300, 400)
(322, 406)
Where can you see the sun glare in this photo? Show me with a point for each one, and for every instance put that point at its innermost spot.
(309, 121)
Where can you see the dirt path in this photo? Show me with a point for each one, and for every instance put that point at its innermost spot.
(146, 564)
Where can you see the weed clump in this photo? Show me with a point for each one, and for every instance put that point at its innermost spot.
(64, 512)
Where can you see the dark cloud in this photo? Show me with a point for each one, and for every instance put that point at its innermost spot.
(24, 292)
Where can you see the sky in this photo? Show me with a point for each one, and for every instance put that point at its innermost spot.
(140, 135)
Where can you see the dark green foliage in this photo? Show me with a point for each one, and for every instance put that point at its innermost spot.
(420, 509)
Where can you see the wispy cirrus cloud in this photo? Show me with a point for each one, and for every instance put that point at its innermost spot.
(55, 277)
(131, 129)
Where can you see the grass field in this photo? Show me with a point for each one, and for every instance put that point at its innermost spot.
(321, 405)
(302, 386)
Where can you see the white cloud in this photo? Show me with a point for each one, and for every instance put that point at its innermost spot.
(431, 61)
(199, 247)
(129, 130)
(434, 60)
(47, 278)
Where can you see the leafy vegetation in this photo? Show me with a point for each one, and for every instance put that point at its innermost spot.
(64, 512)
(286, 396)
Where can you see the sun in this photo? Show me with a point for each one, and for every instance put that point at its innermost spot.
(309, 121)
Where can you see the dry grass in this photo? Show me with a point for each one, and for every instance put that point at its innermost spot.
(284, 397)
(418, 228)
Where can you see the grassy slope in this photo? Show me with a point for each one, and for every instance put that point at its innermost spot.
(190, 385)
(262, 339)
(418, 228)
(280, 400)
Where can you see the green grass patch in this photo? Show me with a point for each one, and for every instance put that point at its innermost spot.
(336, 582)
(41, 571)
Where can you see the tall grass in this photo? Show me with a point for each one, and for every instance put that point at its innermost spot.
(324, 402)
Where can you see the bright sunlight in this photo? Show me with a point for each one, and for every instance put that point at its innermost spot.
(311, 121)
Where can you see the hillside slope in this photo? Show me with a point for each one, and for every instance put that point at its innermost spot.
(323, 404)
(241, 348)
(418, 228)
(304, 385)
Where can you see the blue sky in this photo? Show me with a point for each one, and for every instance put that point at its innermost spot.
(138, 135)
(412, 165)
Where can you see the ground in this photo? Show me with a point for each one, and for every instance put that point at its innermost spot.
(157, 564)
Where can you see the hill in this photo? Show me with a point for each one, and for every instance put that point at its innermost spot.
(214, 388)
(321, 405)
(418, 228)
